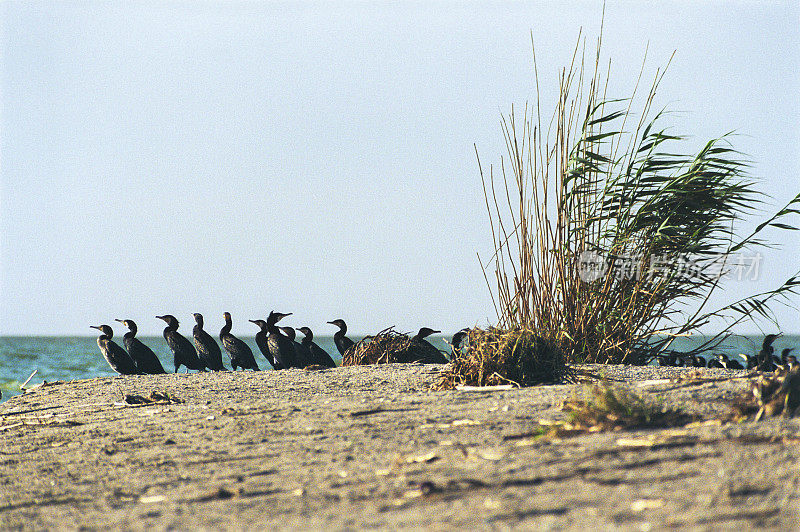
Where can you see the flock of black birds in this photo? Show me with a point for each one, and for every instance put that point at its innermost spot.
(277, 344)
(282, 351)
(765, 360)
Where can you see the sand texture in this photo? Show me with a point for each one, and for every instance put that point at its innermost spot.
(372, 447)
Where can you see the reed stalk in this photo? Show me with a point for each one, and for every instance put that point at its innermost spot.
(609, 242)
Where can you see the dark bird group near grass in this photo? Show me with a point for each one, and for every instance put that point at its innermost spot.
(765, 360)
(277, 344)
(281, 349)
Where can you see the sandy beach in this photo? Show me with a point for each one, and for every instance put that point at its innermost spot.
(373, 447)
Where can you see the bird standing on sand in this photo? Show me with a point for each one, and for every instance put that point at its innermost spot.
(431, 354)
(207, 349)
(183, 351)
(116, 357)
(318, 355)
(240, 353)
(765, 362)
(279, 345)
(276, 347)
(144, 357)
(301, 353)
(731, 363)
(263, 344)
(343, 343)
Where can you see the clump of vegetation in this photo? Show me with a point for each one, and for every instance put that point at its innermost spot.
(495, 356)
(387, 347)
(609, 237)
(770, 395)
(616, 408)
(155, 398)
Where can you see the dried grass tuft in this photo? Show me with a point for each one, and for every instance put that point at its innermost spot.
(770, 395)
(616, 408)
(494, 356)
(387, 347)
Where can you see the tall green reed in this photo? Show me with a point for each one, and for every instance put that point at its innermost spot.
(609, 241)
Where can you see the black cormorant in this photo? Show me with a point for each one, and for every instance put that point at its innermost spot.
(460, 343)
(240, 353)
(144, 357)
(116, 357)
(785, 355)
(765, 362)
(318, 355)
(343, 343)
(716, 362)
(263, 344)
(431, 354)
(207, 349)
(301, 353)
(731, 364)
(676, 360)
(183, 351)
(280, 346)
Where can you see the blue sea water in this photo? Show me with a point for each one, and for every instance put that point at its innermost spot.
(68, 358)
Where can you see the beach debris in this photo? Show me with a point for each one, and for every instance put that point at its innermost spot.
(609, 407)
(777, 394)
(43, 384)
(22, 386)
(155, 398)
(152, 499)
(387, 347)
(220, 494)
(426, 458)
(369, 412)
(498, 388)
(497, 357)
(641, 505)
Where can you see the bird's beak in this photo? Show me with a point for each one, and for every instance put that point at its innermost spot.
(434, 332)
(160, 317)
(98, 327)
(331, 323)
(121, 321)
(252, 321)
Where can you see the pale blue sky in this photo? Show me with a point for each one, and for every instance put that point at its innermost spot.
(317, 158)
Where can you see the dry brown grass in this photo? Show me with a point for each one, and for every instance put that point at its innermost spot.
(496, 356)
(617, 408)
(387, 347)
(770, 395)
